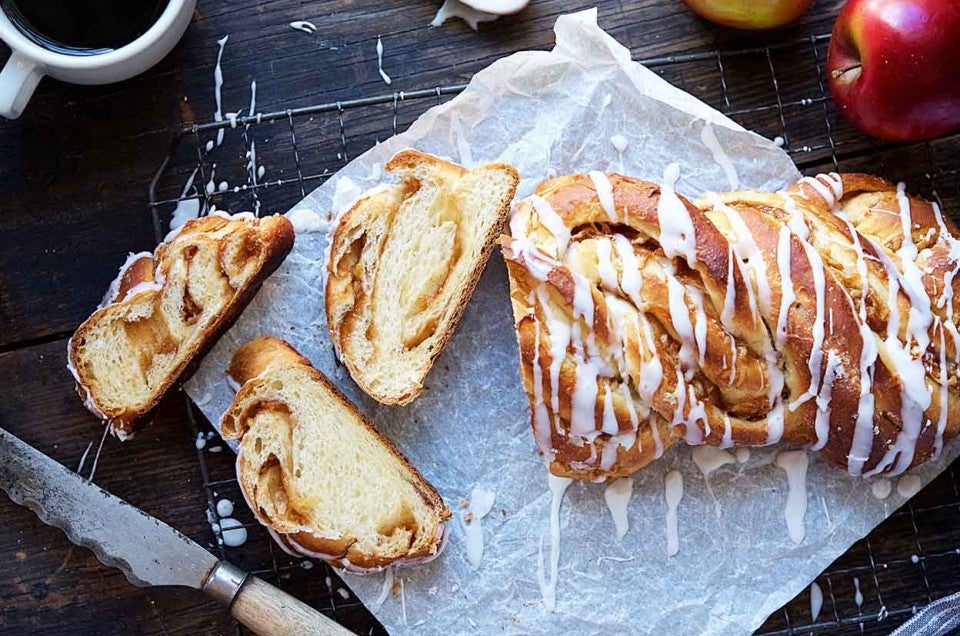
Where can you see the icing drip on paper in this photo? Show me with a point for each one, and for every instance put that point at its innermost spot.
(881, 488)
(548, 586)
(908, 486)
(617, 496)
(481, 501)
(673, 491)
(794, 463)
(709, 139)
(708, 459)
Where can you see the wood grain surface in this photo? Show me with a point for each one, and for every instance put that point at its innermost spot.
(74, 172)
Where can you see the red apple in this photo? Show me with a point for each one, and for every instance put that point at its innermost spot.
(894, 67)
(750, 14)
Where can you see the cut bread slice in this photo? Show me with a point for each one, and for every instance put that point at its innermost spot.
(315, 472)
(404, 261)
(166, 309)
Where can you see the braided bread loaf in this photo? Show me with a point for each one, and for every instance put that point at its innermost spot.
(166, 309)
(820, 315)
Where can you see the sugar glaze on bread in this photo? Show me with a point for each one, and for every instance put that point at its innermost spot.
(166, 309)
(404, 261)
(823, 315)
(316, 472)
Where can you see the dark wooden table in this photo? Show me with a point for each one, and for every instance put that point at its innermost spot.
(74, 172)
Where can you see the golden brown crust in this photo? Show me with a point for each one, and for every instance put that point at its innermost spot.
(248, 251)
(733, 362)
(351, 279)
(254, 366)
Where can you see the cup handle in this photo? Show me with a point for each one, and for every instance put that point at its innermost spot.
(18, 80)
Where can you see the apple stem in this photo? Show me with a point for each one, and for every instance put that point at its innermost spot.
(837, 72)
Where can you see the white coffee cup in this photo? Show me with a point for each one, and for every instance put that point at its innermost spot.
(29, 62)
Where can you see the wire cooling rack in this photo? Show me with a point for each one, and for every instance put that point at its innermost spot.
(779, 91)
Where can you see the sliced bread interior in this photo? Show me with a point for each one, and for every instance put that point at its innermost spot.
(404, 261)
(166, 309)
(317, 473)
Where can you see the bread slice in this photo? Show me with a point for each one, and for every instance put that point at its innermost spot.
(166, 309)
(315, 471)
(404, 261)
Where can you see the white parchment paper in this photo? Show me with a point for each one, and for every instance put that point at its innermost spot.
(551, 113)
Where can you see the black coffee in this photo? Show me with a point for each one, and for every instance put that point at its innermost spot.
(83, 27)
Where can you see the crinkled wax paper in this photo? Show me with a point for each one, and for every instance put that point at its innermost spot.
(551, 113)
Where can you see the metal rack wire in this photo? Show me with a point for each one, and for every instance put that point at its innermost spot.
(779, 91)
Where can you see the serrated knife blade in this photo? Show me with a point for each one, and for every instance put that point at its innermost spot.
(146, 550)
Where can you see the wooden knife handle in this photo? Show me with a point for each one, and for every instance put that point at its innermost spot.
(268, 611)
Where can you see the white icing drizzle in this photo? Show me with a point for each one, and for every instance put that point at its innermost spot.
(727, 440)
(748, 252)
(858, 595)
(794, 463)
(609, 426)
(680, 317)
(822, 423)
(303, 25)
(583, 402)
(677, 234)
(708, 459)
(620, 143)
(218, 86)
(700, 324)
(457, 9)
(944, 381)
(481, 502)
(601, 183)
(617, 496)
(881, 488)
(548, 587)
(908, 249)
(541, 419)
(552, 221)
(862, 441)
(709, 139)
(673, 492)
(383, 75)
(730, 296)
(914, 396)
(232, 533)
(816, 601)
(816, 350)
(608, 273)
(224, 508)
(186, 208)
(651, 370)
(559, 340)
(827, 193)
(630, 280)
(787, 295)
(306, 221)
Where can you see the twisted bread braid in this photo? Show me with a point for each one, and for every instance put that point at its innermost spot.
(821, 314)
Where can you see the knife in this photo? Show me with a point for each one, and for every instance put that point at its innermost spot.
(146, 550)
